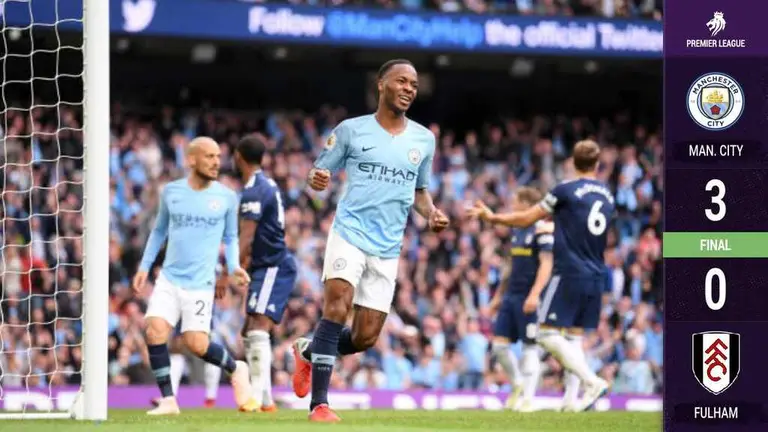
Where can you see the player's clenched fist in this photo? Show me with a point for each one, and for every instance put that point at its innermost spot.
(319, 179)
(438, 221)
(139, 281)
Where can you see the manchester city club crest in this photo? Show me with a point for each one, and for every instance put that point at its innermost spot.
(715, 101)
(414, 156)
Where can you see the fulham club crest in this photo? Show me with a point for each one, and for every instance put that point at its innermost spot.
(716, 359)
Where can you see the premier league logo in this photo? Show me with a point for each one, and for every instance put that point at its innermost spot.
(716, 360)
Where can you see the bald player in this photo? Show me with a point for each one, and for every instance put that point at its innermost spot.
(196, 215)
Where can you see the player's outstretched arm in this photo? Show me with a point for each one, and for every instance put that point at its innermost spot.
(422, 203)
(154, 243)
(519, 219)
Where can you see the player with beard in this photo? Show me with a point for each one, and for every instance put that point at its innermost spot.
(388, 161)
(197, 214)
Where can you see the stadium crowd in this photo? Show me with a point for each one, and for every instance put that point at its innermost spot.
(438, 333)
(648, 9)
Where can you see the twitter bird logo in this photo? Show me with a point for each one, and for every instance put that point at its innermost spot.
(137, 15)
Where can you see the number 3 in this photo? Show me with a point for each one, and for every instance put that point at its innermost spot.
(596, 222)
(716, 200)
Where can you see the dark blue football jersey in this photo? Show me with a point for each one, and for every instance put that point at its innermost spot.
(526, 245)
(582, 210)
(261, 202)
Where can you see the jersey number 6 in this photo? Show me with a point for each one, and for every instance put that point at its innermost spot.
(596, 221)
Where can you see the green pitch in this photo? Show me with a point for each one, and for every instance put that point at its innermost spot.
(354, 421)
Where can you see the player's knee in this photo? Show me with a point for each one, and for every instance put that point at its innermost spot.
(500, 340)
(257, 322)
(157, 331)
(338, 300)
(499, 346)
(196, 342)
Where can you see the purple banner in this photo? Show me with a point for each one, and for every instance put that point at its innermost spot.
(190, 397)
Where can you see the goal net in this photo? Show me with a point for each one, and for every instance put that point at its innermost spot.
(54, 213)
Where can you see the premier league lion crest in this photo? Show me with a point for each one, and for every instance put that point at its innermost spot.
(715, 101)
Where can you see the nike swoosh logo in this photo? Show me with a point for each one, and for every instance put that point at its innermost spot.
(366, 149)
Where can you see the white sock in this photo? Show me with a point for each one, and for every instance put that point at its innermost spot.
(572, 381)
(508, 362)
(572, 384)
(178, 365)
(567, 354)
(258, 352)
(212, 377)
(531, 368)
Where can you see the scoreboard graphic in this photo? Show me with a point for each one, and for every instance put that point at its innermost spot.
(716, 216)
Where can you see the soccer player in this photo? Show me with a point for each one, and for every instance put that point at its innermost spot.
(271, 265)
(582, 209)
(531, 269)
(388, 161)
(196, 214)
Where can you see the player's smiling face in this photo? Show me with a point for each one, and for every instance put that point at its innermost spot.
(399, 87)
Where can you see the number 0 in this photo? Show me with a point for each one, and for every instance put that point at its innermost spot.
(716, 200)
(711, 274)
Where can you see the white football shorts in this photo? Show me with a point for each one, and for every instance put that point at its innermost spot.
(372, 277)
(171, 303)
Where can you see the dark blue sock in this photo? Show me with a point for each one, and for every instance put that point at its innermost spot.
(160, 361)
(346, 347)
(324, 349)
(219, 356)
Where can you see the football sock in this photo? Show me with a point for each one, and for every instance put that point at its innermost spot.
(572, 381)
(259, 354)
(508, 361)
(531, 369)
(324, 349)
(160, 362)
(571, 357)
(178, 364)
(572, 384)
(212, 378)
(346, 347)
(219, 356)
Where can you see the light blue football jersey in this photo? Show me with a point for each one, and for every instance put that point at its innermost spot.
(383, 172)
(196, 223)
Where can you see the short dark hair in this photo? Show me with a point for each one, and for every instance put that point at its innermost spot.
(252, 148)
(586, 154)
(390, 64)
(529, 195)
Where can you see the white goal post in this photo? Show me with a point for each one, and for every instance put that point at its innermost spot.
(91, 401)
